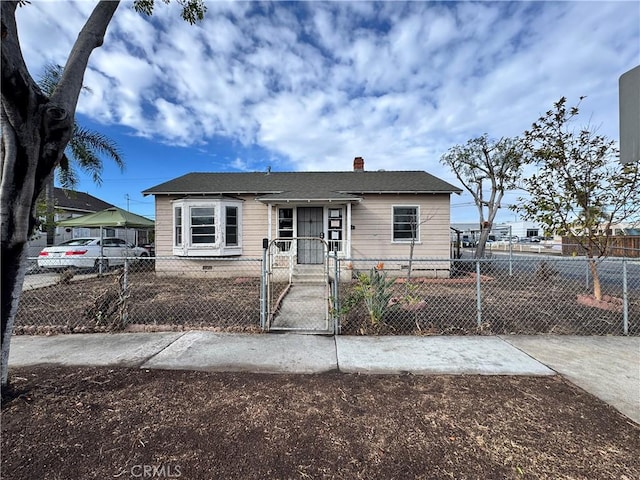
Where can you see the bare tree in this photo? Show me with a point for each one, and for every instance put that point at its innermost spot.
(487, 169)
(578, 189)
(414, 223)
(36, 129)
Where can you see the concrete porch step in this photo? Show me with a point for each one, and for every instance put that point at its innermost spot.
(313, 274)
(308, 279)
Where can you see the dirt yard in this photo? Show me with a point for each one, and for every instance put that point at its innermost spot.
(96, 423)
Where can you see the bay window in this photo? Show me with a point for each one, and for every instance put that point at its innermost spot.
(207, 227)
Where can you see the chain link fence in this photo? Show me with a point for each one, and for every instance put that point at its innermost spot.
(500, 295)
(146, 294)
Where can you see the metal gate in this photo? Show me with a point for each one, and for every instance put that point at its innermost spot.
(297, 295)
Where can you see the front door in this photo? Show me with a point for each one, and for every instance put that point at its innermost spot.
(310, 224)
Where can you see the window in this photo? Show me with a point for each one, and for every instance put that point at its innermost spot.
(231, 226)
(207, 227)
(405, 224)
(177, 226)
(285, 227)
(335, 229)
(203, 225)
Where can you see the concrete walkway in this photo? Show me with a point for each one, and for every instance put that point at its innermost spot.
(40, 280)
(304, 308)
(607, 367)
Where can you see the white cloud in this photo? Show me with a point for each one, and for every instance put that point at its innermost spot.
(319, 83)
(47, 31)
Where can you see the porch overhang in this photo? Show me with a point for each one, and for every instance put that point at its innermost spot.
(307, 197)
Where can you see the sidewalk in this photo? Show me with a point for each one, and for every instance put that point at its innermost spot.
(607, 367)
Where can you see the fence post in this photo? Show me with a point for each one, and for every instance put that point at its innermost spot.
(263, 284)
(625, 298)
(336, 297)
(478, 293)
(124, 319)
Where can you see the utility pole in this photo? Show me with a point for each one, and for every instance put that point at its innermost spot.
(127, 197)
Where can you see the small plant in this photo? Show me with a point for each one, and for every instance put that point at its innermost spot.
(412, 294)
(375, 291)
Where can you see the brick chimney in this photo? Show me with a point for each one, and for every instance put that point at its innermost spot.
(358, 164)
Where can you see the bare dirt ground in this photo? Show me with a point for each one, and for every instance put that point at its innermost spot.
(98, 423)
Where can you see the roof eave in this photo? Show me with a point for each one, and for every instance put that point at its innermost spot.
(208, 192)
(307, 199)
(402, 192)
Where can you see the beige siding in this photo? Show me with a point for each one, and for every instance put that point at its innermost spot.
(373, 218)
(213, 267)
(254, 226)
(371, 236)
(164, 226)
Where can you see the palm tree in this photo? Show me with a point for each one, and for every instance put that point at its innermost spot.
(85, 151)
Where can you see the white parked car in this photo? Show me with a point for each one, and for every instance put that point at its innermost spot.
(85, 253)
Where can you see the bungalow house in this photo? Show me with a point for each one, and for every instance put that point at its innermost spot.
(68, 204)
(356, 214)
(72, 204)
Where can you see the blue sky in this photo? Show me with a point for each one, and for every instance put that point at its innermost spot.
(307, 86)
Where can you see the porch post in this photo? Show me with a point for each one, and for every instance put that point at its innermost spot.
(347, 247)
(263, 285)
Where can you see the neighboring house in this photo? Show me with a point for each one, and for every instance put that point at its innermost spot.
(359, 214)
(68, 204)
(72, 204)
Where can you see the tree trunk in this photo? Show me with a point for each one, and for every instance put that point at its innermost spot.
(35, 132)
(50, 225)
(410, 266)
(593, 268)
(482, 242)
(14, 266)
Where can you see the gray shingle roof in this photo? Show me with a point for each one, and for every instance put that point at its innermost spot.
(78, 201)
(304, 185)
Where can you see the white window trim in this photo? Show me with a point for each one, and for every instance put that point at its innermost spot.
(216, 249)
(343, 228)
(174, 238)
(418, 229)
(294, 219)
